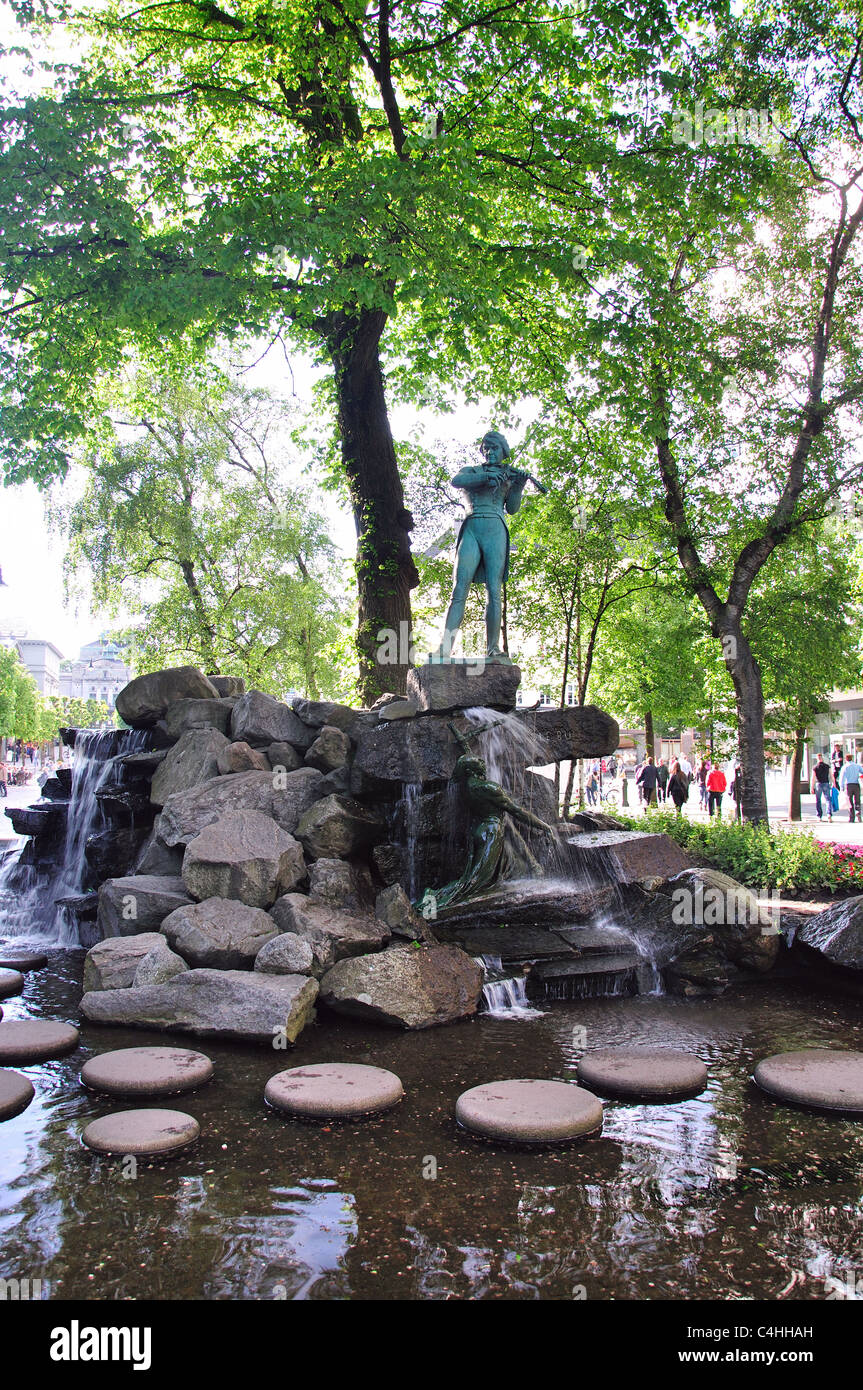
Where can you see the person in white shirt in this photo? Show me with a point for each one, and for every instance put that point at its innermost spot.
(685, 767)
(851, 775)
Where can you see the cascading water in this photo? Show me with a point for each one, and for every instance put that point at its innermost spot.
(578, 898)
(29, 892)
(504, 995)
(511, 749)
(409, 808)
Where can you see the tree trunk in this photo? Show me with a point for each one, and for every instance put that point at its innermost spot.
(649, 736)
(567, 796)
(796, 768)
(386, 572)
(746, 675)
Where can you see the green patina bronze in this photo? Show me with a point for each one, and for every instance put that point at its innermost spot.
(498, 852)
(482, 551)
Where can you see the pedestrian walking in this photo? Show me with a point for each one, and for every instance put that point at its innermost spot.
(836, 761)
(4, 777)
(662, 775)
(822, 786)
(646, 780)
(851, 774)
(592, 787)
(678, 786)
(717, 783)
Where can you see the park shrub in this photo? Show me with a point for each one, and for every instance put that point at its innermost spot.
(787, 860)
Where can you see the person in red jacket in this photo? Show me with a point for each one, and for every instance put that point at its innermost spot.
(716, 785)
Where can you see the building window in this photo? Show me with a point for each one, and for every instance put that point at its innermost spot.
(571, 698)
(545, 699)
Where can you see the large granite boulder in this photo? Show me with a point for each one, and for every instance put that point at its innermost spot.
(258, 719)
(622, 856)
(284, 756)
(317, 713)
(447, 686)
(285, 797)
(393, 906)
(245, 856)
(241, 757)
(246, 1004)
(112, 964)
(338, 826)
(342, 884)
(433, 832)
(577, 731)
(112, 853)
(835, 936)
(160, 859)
(192, 760)
(330, 750)
(331, 934)
(199, 714)
(286, 954)
(218, 932)
(406, 986)
(422, 751)
(159, 965)
(228, 686)
(138, 903)
(702, 928)
(146, 699)
(416, 751)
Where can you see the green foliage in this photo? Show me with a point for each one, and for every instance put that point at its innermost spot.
(20, 700)
(71, 712)
(752, 854)
(188, 522)
(264, 170)
(26, 714)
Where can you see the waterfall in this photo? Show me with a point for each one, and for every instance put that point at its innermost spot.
(28, 891)
(508, 749)
(504, 995)
(511, 750)
(410, 809)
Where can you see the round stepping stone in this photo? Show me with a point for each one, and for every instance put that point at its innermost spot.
(16, 1093)
(818, 1076)
(529, 1111)
(22, 960)
(333, 1090)
(35, 1040)
(147, 1071)
(145, 1133)
(643, 1073)
(11, 982)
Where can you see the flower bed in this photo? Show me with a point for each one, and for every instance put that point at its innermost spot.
(792, 861)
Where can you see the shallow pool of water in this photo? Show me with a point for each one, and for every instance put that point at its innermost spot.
(725, 1196)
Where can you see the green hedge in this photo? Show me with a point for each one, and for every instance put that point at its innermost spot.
(791, 860)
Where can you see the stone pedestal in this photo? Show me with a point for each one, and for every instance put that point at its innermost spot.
(443, 686)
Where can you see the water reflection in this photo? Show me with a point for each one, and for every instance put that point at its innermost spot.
(727, 1195)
